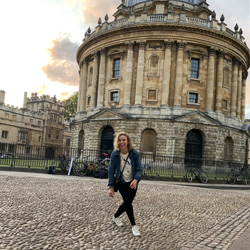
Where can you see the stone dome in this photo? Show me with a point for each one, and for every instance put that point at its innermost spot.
(171, 76)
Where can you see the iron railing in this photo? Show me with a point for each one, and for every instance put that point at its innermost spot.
(16, 155)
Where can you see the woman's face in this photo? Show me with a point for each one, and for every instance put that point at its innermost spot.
(123, 142)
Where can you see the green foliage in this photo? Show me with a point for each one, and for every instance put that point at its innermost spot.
(71, 106)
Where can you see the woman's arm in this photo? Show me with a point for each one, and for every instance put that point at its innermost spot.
(138, 167)
(111, 170)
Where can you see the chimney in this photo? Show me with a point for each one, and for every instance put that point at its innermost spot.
(2, 96)
(25, 100)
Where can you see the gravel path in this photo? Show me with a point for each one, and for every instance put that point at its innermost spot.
(75, 213)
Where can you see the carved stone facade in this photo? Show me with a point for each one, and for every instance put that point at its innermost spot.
(163, 71)
(39, 123)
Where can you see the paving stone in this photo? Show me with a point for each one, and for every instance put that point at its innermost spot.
(75, 213)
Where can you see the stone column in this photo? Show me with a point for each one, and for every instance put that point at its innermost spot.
(129, 74)
(239, 93)
(218, 105)
(94, 82)
(140, 73)
(179, 75)
(243, 102)
(84, 77)
(234, 88)
(166, 73)
(210, 80)
(80, 89)
(101, 84)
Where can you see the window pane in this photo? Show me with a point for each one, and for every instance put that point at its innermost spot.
(194, 68)
(116, 72)
(114, 96)
(4, 134)
(193, 98)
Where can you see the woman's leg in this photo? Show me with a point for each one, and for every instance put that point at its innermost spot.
(128, 196)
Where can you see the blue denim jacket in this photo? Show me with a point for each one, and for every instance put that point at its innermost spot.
(115, 165)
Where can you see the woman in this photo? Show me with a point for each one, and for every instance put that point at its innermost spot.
(126, 166)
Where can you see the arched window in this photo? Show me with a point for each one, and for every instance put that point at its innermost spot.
(228, 149)
(107, 140)
(193, 148)
(148, 141)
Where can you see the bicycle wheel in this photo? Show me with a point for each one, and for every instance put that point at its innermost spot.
(151, 173)
(189, 176)
(81, 169)
(203, 177)
(74, 167)
(231, 178)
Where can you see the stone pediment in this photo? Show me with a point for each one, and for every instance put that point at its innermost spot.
(106, 115)
(116, 52)
(197, 117)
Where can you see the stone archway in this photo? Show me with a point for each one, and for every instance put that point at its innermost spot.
(107, 140)
(148, 141)
(193, 148)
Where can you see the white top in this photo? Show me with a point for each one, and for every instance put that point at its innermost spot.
(126, 164)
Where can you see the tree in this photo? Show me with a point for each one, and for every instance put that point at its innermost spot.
(71, 106)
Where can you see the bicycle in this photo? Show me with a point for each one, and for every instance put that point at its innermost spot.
(93, 165)
(64, 163)
(232, 177)
(80, 168)
(196, 173)
(150, 171)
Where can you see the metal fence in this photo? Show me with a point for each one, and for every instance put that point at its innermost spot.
(15, 155)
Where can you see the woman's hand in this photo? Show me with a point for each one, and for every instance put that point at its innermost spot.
(111, 192)
(133, 184)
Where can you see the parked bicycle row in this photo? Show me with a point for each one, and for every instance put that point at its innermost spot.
(98, 167)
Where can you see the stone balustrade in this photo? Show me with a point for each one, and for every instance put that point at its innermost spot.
(164, 18)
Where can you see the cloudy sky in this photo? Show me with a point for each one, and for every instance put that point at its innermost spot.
(39, 39)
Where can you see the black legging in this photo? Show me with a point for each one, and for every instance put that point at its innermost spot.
(128, 196)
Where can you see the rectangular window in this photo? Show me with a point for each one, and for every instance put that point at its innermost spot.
(114, 96)
(116, 69)
(13, 117)
(31, 121)
(39, 139)
(151, 94)
(6, 115)
(39, 123)
(57, 134)
(193, 98)
(224, 104)
(194, 68)
(5, 134)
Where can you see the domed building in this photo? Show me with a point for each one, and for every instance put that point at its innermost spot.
(170, 74)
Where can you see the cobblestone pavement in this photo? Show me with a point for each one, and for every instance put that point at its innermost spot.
(75, 213)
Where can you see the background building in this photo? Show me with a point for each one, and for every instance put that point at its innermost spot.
(171, 75)
(39, 123)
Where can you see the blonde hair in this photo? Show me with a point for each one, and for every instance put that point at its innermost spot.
(130, 143)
